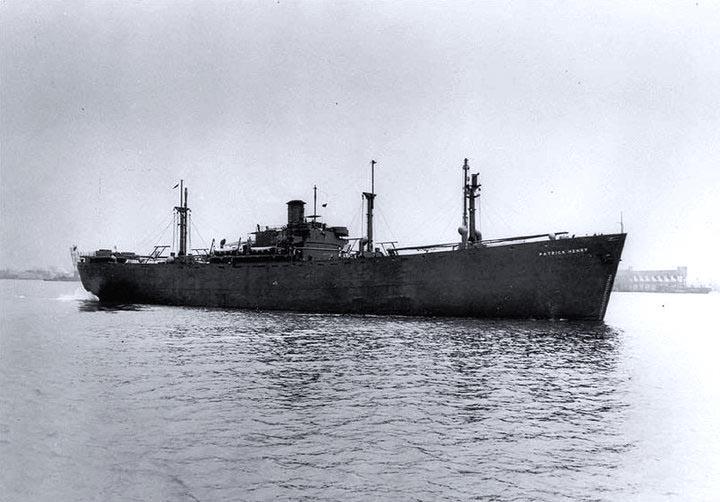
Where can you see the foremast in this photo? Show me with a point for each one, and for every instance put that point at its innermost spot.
(471, 191)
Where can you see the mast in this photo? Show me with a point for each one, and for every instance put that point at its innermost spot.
(471, 191)
(472, 195)
(370, 206)
(466, 167)
(314, 215)
(182, 211)
(464, 228)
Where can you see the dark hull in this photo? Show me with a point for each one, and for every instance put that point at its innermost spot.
(567, 278)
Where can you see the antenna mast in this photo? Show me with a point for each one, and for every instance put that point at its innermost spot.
(314, 215)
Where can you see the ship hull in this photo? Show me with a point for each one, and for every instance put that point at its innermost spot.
(567, 278)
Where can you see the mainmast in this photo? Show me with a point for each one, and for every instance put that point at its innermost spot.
(370, 205)
(182, 211)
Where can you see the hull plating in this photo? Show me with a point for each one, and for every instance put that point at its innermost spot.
(567, 278)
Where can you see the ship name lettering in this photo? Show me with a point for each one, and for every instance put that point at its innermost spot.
(563, 252)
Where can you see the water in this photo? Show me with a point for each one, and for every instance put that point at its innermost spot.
(160, 403)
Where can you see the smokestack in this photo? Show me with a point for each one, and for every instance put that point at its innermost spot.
(296, 212)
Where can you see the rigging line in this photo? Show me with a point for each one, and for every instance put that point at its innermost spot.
(362, 207)
(448, 215)
(326, 194)
(160, 234)
(452, 211)
(197, 231)
(172, 246)
(150, 237)
(387, 225)
(493, 217)
(150, 234)
(449, 223)
(444, 214)
(501, 205)
(352, 221)
(207, 226)
(160, 221)
(355, 178)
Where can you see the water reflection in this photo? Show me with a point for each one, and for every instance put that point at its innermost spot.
(492, 381)
(97, 306)
(210, 404)
(461, 359)
(442, 395)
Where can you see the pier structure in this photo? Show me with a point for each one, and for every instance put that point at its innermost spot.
(654, 281)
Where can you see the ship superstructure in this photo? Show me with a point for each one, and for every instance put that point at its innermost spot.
(306, 265)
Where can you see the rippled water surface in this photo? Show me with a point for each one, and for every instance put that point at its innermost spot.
(161, 403)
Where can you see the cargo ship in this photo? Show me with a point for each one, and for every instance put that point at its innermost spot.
(308, 266)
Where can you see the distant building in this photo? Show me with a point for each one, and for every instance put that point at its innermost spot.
(655, 281)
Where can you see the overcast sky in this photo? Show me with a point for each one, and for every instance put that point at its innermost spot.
(571, 111)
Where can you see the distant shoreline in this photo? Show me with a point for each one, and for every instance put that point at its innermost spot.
(47, 279)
